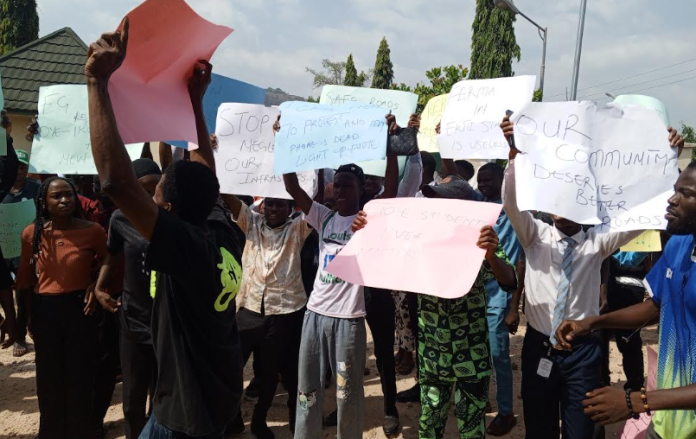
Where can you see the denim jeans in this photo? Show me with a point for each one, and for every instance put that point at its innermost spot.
(338, 344)
(499, 340)
(155, 430)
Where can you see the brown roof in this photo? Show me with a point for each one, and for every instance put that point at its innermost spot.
(57, 58)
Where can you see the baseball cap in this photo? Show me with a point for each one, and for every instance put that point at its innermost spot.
(454, 188)
(353, 169)
(22, 156)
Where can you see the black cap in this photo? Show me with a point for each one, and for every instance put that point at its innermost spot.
(454, 187)
(352, 169)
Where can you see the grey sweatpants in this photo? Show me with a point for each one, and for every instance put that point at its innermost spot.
(339, 344)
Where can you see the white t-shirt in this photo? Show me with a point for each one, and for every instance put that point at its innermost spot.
(332, 296)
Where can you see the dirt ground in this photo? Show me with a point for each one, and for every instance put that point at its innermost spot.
(19, 413)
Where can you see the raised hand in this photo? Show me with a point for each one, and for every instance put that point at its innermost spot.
(675, 139)
(414, 121)
(391, 124)
(199, 81)
(488, 240)
(359, 222)
(106, 55)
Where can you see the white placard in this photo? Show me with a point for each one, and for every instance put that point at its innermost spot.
(244, 157)
(609, 165)
(470, 127)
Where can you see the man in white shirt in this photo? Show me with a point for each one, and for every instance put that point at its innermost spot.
(562, 280)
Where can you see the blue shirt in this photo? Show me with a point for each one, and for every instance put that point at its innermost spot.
(672, 283)
(497, 297)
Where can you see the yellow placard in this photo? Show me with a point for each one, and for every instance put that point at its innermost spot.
(432, 115)
(649, 241)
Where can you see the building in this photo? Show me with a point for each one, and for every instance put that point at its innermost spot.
(57, 58)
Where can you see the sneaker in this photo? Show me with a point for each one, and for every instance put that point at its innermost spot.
(391, 426)
(410, 395)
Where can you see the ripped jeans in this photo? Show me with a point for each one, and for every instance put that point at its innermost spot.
(339, 344)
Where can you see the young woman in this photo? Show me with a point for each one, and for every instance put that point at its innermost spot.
(61, 255)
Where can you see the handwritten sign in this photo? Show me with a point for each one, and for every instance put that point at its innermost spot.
(315, 136)
(14, 217)
(638, 428)
(3, 133)
(223, 89)
(648, 242)
(471, 122)
(149, 91)
(432, 115)
(401, 104)
(417, 245)
(244, 157)
(589, 164)
(63, 145)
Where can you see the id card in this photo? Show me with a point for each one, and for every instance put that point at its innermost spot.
(545, 366)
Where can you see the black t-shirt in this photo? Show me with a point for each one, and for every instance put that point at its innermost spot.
(194, 333)
(29, 192)
(136, 302)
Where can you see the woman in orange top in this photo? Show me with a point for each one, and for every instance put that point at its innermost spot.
(61, 255)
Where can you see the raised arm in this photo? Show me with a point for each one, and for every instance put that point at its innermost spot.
(504, 273)
(523, 222)
(198, 85)
(292, 185)
(110, 156)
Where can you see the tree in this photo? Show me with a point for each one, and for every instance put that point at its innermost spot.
(442, 79)
(689, 136)
(332, 74)
(538, 95)
(493, 42)
(351, 79)
(19, 24)
(384, 70)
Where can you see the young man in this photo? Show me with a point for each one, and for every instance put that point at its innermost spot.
(562, 280)
(672, 287)
(333, 333)
(23, 189)
(194, 332)
(490, 184)
(271, 300)
(453, 336)
(134, 308)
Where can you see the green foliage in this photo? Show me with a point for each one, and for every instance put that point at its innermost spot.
(442, 79)
(384, 70)
(538, 95)
(313, 99)
(351, 79)
(19, 24)
(689, 136)
(493, 42)
(331, 75)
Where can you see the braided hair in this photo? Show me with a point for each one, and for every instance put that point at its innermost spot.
(42, 213)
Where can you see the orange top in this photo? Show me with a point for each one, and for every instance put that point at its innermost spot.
(67, 260)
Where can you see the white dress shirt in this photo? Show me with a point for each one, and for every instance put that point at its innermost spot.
(543, 247)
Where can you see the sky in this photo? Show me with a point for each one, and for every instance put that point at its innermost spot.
(275, 40)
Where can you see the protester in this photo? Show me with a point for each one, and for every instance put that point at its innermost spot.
(134, 308)
(562, 280)
(453, 336)
(465, 169)
(490, 183)
(56, 274)
(272, 298)
(9, 165)
(671, 284)
(194, 333)
(626, 271)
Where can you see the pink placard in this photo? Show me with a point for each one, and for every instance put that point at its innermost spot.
(149, 92)
(638, 428)
(422, 245)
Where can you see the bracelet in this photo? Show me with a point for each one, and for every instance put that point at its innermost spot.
(629, 404)
(644, 398)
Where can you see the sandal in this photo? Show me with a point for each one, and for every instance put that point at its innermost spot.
(502, 425)
(405, 367)
(19, 349)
